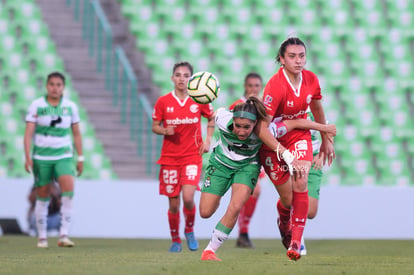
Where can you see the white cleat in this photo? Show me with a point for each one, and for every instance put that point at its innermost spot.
(65, 242)
(303, 251)
(42, 243)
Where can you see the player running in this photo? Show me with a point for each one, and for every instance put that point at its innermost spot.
(288, 94)
(234, 162)
(253, 85)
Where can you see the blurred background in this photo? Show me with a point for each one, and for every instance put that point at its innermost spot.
(118, 58)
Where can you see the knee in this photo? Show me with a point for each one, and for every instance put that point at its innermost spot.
(205, 213)
(313, 211)
(312, 214)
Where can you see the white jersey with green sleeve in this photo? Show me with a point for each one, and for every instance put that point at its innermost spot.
(229, 150)
(52, 138)
(315, 136)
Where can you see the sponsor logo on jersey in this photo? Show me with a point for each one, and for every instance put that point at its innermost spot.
(301, 113)
(268, 99)
(301, 148)
(179, 121)
(194, 108)
(309, 99)
(170, 109)
(290, 103)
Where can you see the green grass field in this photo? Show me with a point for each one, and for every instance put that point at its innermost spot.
(19, 255)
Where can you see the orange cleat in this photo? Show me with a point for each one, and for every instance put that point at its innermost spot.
(209, 255)
(294, 251)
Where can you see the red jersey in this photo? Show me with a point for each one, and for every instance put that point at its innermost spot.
(282, 100)
(185, 117)
(241, 100)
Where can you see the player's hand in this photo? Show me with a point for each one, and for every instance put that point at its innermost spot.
(169, 131)
(328, 149)
(28, 165)
(297, 171)
(79, 167)
(317, 161)
(204, 148)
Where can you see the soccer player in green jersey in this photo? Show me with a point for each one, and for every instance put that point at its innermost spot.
(234, 162)
(50, 121)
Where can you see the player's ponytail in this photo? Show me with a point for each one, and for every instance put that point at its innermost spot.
(254, 106)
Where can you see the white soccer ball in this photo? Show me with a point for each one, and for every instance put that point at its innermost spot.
(203, 87)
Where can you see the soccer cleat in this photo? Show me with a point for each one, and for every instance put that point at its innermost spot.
(175, 247)
(192, 243)
(285, 233)
(42, 243)
(209, 255)
(65, 242)
(294, 251)
(303, 251)
(244, 241)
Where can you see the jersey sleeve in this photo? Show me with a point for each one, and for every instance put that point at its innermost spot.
(75, 114)
(222, 118)
(316, 89)
(31, 115)
(207, 110)
(270, 100)
(158, 111)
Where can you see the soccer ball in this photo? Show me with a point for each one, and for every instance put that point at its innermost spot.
(203, 87)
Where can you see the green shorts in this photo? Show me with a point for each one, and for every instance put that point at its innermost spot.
(219, 178)
(314, 183)
(46, 170)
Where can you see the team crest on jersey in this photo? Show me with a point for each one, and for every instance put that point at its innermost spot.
(65, 110)
(207, 182)
(194, 108)
(290, 103)
(170, 109)
(308, 99)
(268, 99)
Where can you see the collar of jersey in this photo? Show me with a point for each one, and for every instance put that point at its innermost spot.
(182, 103)
(297, 92)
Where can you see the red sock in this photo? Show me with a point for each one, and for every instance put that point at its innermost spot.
(189, 215)
(300, 205)
(284, 213)
(174, 221)
(246, 214)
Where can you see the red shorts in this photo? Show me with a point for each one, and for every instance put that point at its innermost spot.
(173, 177)
(278, 171)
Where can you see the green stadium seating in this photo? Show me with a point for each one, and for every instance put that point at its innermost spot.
(360, 50)
(27, 55)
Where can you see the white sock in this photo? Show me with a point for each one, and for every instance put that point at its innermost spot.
(41, 209)
(66, 212)
(217, 240)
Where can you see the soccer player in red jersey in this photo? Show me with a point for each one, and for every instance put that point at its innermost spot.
(178, 118)
(288, 94)
(253, 85)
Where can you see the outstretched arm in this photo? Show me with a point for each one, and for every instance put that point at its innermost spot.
(301, 123)
(210, 131)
